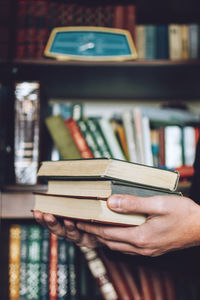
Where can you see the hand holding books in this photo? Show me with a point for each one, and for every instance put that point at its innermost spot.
(173, 223)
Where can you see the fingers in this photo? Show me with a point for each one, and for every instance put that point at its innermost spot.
(135, 204)
(112, 233)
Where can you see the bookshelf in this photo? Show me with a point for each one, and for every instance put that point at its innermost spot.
(160, 80)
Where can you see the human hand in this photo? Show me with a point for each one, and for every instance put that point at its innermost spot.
(67, 229)
(173, 223)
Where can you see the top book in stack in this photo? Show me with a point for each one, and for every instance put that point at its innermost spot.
(113, 169)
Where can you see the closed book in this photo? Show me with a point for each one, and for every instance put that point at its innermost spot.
(101, 188)
(44, 265)
(162, 41)
(23, 261)
(193, 40)
(107, 168)
(63, 269)
(151, 41)
(78, 137)
(111, 140)
(173, 146)
(88, 209)
(33, 264)
(175, 41)
(53, 267)
(185, 41)
(62, 137)
(73, 271)
(14, 261)
(141, 41)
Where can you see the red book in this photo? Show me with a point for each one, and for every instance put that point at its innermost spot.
(145, 283)
(78, 138)
(130, 19)
(130, 279)
(21, 29)
(117, 278)
(118, 20)
(53, 266)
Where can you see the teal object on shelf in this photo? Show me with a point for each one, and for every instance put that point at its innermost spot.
(90, 43)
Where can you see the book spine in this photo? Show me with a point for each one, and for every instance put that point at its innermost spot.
(53, 267)
(130, 19)
(21, 29)
(151, 41)
(119, 283)
(118, 19)
(44, 266)
(62, 138)
(63, 272)
(175, 46)
(14, 261)
(99, 271)
(111, 139)
(193, 41)
(78, 138)
(98, 137)
(26, 135)
(89, 138)
(185, 41)
(73, 274)
(141, 41)
(33, 264)
(23, 261)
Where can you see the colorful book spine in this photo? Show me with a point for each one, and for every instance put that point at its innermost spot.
(62, 137)
(151, 41)
(78, 138)
(23, 261)
(14, 262)
(33, 264)
(44, 266)
(63, 271)
(53, 267)
(72, 271)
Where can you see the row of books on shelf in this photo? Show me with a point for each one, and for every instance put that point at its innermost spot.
(36, 19)
(44, 266)
(154, 136)
(168, 41)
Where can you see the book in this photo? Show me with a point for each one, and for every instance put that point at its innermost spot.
(62, 137)
(101, 188)
(107, 168)
(78, 137)
(26, 134)
(23, 261)
(53, 266)
(193, 40)
(14, 261)
(44, 265)
(175, 41)
(89, 209)
(141, 41)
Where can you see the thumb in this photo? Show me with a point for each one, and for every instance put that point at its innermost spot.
(134, 204)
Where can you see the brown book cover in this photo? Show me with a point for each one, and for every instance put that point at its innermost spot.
(20, 39)
(130, 19)
(78, 137)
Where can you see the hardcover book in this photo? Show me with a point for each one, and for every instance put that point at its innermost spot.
(107, 168)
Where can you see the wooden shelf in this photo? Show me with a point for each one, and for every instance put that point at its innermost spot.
(17, 201)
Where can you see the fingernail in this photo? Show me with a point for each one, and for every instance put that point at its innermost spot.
(114, 202)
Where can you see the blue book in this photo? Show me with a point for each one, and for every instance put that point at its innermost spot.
(151, 41)
(162, 42)
(193, 40)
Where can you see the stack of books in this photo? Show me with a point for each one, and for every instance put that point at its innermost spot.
(78, 188)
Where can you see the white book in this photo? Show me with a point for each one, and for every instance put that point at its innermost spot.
(111, 139)
(175, 41)
(137, 117)
(141, 41)
(189, 145)
(173, 146)
(148, 155)
(130, 134)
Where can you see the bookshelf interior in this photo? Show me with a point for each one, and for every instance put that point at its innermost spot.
(141, 81)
